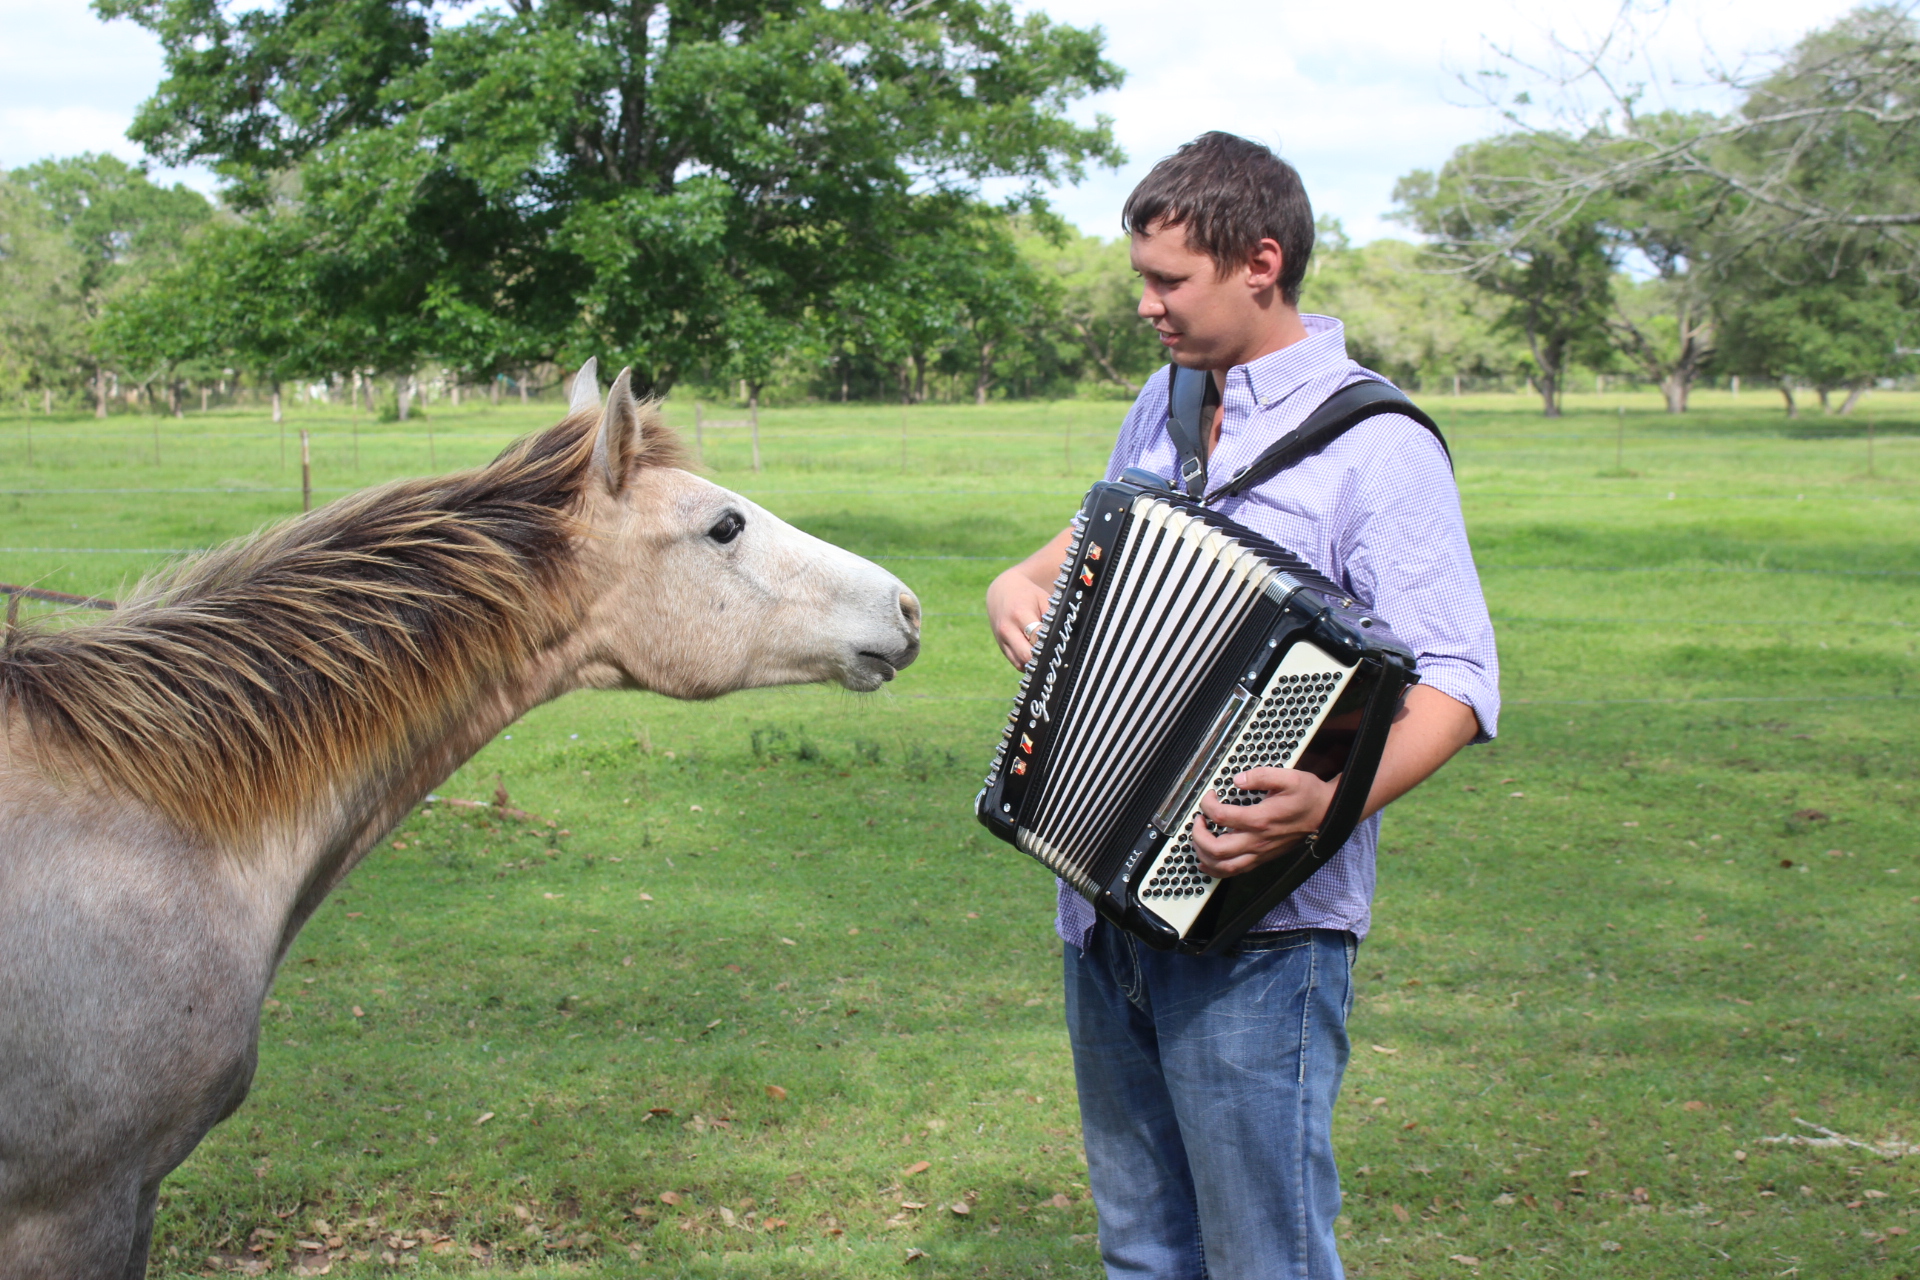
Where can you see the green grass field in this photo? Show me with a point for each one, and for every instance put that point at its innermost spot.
(762, 1000)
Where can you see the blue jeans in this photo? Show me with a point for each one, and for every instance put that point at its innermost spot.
(1206, 1098)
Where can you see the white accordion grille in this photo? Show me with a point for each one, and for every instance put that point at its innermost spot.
(1291, 711)
(1176, 594)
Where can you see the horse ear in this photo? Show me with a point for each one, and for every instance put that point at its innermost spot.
(586, 386)
(618, 440)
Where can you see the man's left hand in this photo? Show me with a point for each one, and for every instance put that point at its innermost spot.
(1295, 806)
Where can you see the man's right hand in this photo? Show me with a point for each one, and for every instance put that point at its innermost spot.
(1019, 596)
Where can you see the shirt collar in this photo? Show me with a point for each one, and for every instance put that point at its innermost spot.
(1278, 374)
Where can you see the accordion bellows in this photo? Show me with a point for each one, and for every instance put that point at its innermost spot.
(1179, 649)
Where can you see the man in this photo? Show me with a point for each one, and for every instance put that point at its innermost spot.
(1207, 1083)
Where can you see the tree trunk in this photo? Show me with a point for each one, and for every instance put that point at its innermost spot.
(203, 397)
(1675, 387)
(453, 394)
(1101, 358)
(753, 420)
(521, 382)
(276, 403)
(493, 391)
(1825, 406)
(1786, 393)
(47, 398)
(984, 382)
(1548, 385)
(99, 391)
(1854, 393)
(173, 398)
(403, 395)
(843, 380)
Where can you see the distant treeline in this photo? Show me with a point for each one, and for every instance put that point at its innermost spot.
(783, 201)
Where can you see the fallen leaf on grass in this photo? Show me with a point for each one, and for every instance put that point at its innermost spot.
(670, 1197)
(912, 1204)
(788, 942)
(918, 1166)
(1693, 1106)
(1464, 1259)
(914, 1255)
(961, 1207)
(775, 1092)
(484, 1117)
(646, 897)
(1400, 1213)
(1059, 1200)
(1609, 1246)
(1380, 1048)
(358, 1012)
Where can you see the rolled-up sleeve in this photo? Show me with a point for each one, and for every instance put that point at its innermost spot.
(1405, 552)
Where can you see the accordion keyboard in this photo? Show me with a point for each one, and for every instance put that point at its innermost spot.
(1176, 586)
(1289, 712)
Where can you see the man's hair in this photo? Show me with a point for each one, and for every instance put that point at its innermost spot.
(1230, 194)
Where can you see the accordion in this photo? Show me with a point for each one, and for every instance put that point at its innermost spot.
(1178, 650)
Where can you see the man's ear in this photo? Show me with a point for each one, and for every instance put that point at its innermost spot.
(1264, 264)
(586, 387)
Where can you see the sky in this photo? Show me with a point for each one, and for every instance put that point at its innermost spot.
(1354, 95)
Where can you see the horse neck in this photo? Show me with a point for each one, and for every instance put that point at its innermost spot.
(321, 846)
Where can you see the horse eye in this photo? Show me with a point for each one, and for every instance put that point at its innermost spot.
(728, 527)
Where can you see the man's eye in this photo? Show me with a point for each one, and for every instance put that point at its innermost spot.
(727, 527)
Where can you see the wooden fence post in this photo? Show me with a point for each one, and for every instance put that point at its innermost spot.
(753, 416)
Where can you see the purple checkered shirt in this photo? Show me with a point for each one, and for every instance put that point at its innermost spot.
(1376, 512)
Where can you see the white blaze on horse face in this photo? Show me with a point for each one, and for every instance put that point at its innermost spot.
(713, 593)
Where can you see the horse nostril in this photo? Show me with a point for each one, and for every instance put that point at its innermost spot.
(910, 609)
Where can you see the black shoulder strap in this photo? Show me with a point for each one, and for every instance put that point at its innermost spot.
(1191, 396)
(1342, 411)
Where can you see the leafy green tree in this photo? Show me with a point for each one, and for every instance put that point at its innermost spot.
(121, 227)
(1554, 276)
(1098, 305)
(1405, 315)
(42, 335)
(1827, 334)
(563, 177)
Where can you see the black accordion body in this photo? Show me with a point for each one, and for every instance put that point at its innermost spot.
(1179, 649)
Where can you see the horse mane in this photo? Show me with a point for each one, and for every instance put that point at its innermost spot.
(237, 685)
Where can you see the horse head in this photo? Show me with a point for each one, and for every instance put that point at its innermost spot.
(697, 591)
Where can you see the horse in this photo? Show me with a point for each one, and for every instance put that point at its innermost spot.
(184, 782)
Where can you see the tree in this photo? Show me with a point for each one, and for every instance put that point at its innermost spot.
(1828, 334)
(1555, 277)
(558, 177)
(120, 227)
(1407, 316)
(42, 337)
(1099, 300)
(1823, 148)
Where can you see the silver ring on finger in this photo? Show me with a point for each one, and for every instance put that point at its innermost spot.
(1030, 628)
